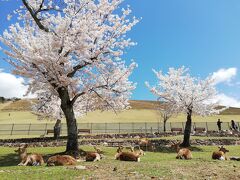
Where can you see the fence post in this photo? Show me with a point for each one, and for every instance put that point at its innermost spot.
(29, 128)
(119, 128)
(145, 128)
(151, 130)
(158, 127)
(105, 128)
(133, 127)
(12, 128)
(206, 126)
(45, 128)
(91, 127)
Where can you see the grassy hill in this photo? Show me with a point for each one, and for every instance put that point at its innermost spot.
(152, 105)
(25, 105)
(142, 111)
(20, 105)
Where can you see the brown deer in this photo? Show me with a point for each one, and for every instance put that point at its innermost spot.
(146, 145)
(98, 150)
(127, 156)
(33, 159)
(182, 153)
(220, 154)
(137, 150)
(61, 160)
(92, 156)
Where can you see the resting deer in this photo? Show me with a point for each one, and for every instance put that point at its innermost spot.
(146, 145)
(98, 150)
(127, 156)
(220, 154)
(33, 159)
(92, 156)
(61, 160)
(137, 150)
(182, 153)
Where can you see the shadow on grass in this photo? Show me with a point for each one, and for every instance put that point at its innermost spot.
(165, 149)
(11, 159)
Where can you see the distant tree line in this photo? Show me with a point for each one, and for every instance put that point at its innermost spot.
(3, 99)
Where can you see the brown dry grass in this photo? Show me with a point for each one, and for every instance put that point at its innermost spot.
(20, 105)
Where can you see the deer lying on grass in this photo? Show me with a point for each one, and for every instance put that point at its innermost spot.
(127, 156)
(146, 145)
(137, 150)
(182, 153)
(98, 150)
(92, 156)
(61, 160)
(33, 159)
(220, 154)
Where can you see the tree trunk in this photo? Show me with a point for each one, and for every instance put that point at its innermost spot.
(72, 130)
(164, 125)
(187, 131)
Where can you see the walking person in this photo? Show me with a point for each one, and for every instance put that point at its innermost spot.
(57, 129)
(219, 124)
(234, 126)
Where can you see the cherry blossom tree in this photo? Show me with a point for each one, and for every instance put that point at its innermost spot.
(70, 51)
(166, 111)
(186, 94)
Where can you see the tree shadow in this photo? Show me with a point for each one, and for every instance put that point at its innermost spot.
(11, 159)
(196, 149)
(166, 149)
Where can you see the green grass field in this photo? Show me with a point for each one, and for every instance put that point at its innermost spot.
(162, 165)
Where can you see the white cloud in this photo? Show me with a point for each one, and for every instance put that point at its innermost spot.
(224, 75)
(11, 86)
(225, 100)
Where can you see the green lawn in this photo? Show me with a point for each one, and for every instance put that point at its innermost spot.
(110, 117)
(153, 164)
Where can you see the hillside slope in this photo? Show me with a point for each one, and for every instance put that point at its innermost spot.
(25, 105)
(152, 105)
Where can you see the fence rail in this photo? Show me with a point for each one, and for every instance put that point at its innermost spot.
(97, 128)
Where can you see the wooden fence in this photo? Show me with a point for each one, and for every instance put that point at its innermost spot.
(100, 128)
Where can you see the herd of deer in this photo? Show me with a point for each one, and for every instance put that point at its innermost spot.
(129, 154)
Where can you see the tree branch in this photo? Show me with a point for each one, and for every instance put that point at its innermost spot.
(76, 68)
(76, 97)
(105, 101)
(34, 16)
(80, 66)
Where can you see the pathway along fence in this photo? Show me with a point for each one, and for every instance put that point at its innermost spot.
(101, 128)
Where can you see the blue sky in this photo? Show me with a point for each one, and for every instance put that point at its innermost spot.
(201, 35)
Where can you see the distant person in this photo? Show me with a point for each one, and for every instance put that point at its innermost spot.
(219, 124)
(234, 125)
(57, 129)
